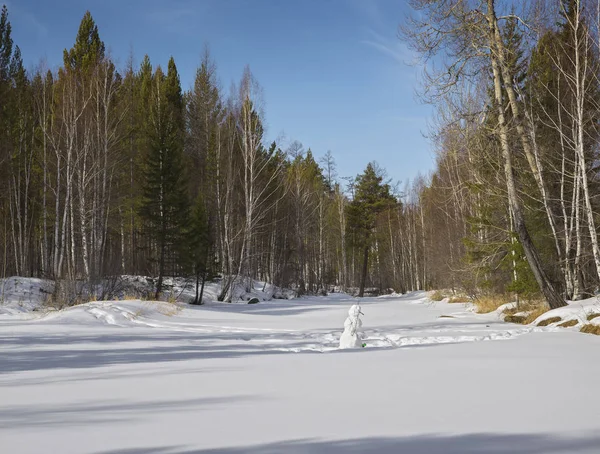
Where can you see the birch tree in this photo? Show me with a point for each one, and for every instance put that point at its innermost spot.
(468, 35)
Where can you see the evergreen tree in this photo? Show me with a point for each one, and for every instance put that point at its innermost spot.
(165, 205)
(6, 53)
(372, 196)
(204, 113)
(6, 45)
(88, 49)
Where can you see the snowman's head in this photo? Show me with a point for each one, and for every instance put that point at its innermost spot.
(355, 311)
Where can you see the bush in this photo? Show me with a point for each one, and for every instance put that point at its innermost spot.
(436, 296)
(67, 293)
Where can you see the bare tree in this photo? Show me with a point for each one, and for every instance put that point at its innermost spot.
(467, 33)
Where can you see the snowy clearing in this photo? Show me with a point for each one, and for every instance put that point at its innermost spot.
(142, 377)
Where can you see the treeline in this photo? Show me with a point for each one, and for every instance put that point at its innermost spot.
(513, 203)
(107, 171)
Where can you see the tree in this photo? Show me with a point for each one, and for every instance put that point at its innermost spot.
(6, 55)
(204, 116)
(204, 113)
(257, 173)
(468, 35)
(199, 244)
(165, 205)
(372, 197)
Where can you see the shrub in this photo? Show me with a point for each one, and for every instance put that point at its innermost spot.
(67, 293)
(591, 329)
(436, 296)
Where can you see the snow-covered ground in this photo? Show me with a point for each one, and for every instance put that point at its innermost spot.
(23, 294)
(139, 377)
(20, 294)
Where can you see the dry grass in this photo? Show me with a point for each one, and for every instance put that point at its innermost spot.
(591, 329)
(54, 303)
(593, 315)
(170, 311)
(568, 323)
(172, 299)
(436, 296)
(549, 321)
(489, 303)
(520, 319)
(538, 310)
(130, 297)
(446, 316)
(459, 299)
(531, 310)
(161, 307)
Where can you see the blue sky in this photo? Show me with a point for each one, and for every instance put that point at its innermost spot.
(334, 74)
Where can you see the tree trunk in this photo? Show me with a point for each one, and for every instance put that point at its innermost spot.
(196, 301)
(363, 277)
(553, 298)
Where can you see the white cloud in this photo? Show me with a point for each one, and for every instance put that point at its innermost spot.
(392, 47)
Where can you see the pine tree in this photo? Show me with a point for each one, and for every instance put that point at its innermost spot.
(88, 49)
(372, 197)
(6, 45)
(6, 53)
(165, 205)
(6, 50)
(204, 113)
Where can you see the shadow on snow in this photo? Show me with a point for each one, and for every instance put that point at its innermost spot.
(429, 444)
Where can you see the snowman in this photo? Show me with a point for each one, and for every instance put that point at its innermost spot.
(350, 337)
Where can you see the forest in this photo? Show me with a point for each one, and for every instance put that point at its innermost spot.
(108, 171)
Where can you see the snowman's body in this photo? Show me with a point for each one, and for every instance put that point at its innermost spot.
(351, 337)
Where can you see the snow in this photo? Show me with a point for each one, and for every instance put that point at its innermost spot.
(184, 290)
(20, 295)
(133, 377)
(575, 310)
